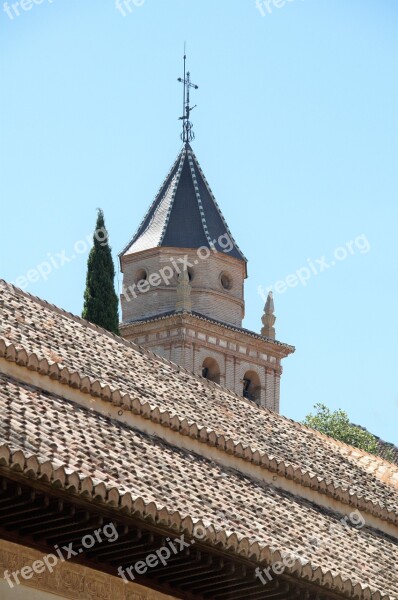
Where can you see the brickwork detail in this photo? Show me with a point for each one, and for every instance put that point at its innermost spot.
(207, 294)
(189, 341)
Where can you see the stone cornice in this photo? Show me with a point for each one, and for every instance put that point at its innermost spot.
(224, 330)
(184, 337)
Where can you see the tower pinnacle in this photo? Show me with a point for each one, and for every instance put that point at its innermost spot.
(268, 319)
(187, 134)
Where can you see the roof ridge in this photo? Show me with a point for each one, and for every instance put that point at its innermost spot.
(128, 343)
(198, 197)
(20, 292)
(176, 368)
(157, 214)
(192, 198)
(132, 239)
(360, 451)
(176, 182)
(53, 307)
(217, 206)
(182, 426)
(203, 317)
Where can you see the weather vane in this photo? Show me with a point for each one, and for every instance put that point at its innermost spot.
(187, 131)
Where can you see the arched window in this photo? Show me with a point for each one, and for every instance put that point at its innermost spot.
(211, 370)
(252, 386)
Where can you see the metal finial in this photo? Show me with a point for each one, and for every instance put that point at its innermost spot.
(187, 134)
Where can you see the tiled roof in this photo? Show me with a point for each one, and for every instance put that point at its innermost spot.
(67, 341)
(155, 478)
(128, 466)
(184, 214)
(385, 449)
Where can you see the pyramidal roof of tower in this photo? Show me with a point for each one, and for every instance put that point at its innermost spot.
(184, 214)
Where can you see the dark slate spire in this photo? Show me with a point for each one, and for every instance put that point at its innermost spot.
(184, 214)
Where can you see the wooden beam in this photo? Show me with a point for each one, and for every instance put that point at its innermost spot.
(257, 592)
(117, 544)
(216, 575)
(187, 571)
(24, 511)
(9, 502)
(77, 529)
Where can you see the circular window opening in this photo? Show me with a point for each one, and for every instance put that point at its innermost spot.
(141, 275)
(226, 281)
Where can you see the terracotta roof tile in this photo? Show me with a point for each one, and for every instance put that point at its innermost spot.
(97, 447)
(70, 342)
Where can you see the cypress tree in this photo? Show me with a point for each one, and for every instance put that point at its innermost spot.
(100, 299)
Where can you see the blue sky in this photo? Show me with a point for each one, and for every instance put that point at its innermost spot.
(296, 130)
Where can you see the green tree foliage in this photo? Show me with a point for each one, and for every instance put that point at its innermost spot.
(337, 425)
(100, 299)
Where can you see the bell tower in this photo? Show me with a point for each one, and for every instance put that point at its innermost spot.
(183, 285)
